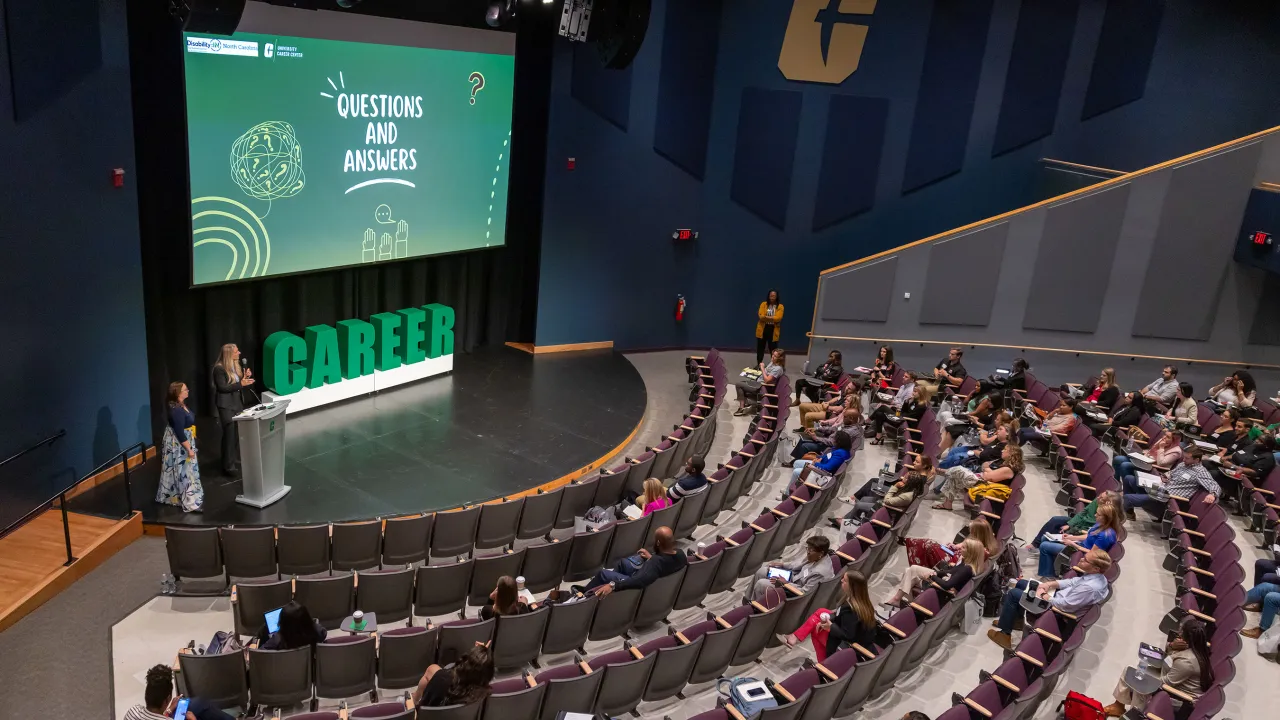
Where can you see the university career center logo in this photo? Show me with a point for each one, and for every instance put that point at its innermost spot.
(824, 40)
(326, 355)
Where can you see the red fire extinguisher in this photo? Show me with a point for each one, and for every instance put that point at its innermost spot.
(680, 306)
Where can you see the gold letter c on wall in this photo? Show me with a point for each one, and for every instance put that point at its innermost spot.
(803, 56)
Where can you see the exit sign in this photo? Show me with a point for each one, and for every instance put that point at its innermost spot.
(684, 234)
(1261, 238)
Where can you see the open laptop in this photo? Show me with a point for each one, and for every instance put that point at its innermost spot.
(1147, 480)
(273, 620)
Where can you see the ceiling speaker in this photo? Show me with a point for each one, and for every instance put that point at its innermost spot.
(215, 17)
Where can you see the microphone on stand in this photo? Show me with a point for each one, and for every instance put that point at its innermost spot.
(244, 365)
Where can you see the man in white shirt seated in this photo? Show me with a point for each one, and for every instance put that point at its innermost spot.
(160, 702)
(812, 569)
(1159, 394)
(1072, 595)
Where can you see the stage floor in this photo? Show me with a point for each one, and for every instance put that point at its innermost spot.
(503, 421)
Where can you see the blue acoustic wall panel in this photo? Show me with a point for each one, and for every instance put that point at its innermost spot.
(948, 87)
(1123, 57)
(948, 298)
(42, 70)
(690, 40)
(768, 124)
(850, 159)
(605, 92)
(859, 294)
(1037, 65)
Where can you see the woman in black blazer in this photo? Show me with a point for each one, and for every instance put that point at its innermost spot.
(229, 379)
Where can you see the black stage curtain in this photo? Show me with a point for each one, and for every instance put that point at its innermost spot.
(493, 292)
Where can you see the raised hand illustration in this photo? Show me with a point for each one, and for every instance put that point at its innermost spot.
(368, 249)
(384, 247)
(402, 239)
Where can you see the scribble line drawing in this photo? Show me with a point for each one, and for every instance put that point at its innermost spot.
(266, 162)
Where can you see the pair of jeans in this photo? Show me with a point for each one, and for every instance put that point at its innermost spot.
(1049, 551)
(1122, 465)
(1054, 525)
(1264, 571)
(1029, 435)
(805, 447)
(1154, 508)
(955, 457)
(1010, 609)
(1269, 595)
(606, 576)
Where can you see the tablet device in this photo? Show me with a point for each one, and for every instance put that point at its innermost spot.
(781, 573)
(1150, 653)
(273, 620)
(1053, 537)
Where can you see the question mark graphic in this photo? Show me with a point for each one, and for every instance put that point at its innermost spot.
(478, 79)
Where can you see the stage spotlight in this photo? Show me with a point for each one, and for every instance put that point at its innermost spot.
(348, 4)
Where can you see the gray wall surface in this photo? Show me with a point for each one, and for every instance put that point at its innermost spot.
(1137, 267)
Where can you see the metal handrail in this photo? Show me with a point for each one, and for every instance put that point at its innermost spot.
(47, 441)
(61, 496)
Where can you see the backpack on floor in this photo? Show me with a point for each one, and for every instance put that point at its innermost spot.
(747, 695)
(223, 642)
(1081, 707)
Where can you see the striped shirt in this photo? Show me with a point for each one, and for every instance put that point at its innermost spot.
(138, 712)
(1185, 479)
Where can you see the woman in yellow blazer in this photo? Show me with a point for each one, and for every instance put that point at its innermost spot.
(768, 325)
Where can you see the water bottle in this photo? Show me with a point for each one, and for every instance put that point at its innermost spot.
(885, 469)
(1139, 674)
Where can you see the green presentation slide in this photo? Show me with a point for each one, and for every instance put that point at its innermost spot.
(308, 154)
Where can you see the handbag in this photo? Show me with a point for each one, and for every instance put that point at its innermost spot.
(973, 614)
(1269, 641)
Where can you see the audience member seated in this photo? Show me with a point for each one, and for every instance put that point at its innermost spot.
(883, 369)
(1253, 461)
(912, 410)
(692, 482)
(504, 600)
(806, 572)
(297, 629)
(959, 480)
(830, 461)
(1101, 391)
(1264, 569)
(1263, 597)
(1187, 669)
(828, 372)
(1237, 389)
(903, 395)
(823, 435)
(813, 413)
(980, 412)
(1101, 535)
(463, 683)
(899, 496)
(927, 552)
(160, 702)
(1080, 522)
(1071, 595)
(654, 497)
(640, 570)
(1184, 410)
(853, 622)
(1061, 420)
(949, 370)
(1159, 394)
(948, 576)
(1164, 453)
(1184, 480)
(982, 446)
(1223, 432)
(749, 389)
(1015, 380)
(1127, 414)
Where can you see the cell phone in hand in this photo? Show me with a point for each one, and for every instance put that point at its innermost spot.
(180, 710)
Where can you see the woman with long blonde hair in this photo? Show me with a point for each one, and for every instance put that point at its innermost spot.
(179, 473)
(654, 497)
(969, 562)
(229, 379)
(929, 552)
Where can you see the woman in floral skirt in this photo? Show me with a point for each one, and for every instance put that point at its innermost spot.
(180, 473)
